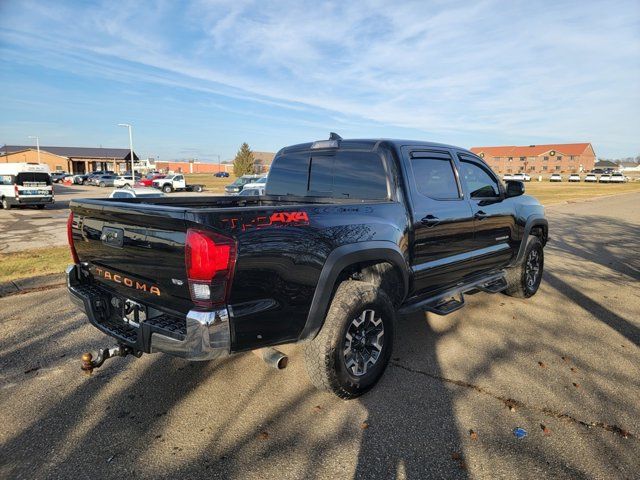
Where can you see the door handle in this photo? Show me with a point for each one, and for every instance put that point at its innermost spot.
(430, 221)
(480, 215)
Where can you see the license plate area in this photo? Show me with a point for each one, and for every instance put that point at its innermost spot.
(128, 311)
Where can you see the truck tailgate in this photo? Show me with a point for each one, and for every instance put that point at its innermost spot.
(134, 249)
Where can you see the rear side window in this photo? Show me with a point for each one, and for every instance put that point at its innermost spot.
(6, 180)
(434, 175)
(344, 174)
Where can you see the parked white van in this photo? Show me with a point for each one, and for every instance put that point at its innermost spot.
(25, 184)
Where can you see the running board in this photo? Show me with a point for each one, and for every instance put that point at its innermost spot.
(453, 299)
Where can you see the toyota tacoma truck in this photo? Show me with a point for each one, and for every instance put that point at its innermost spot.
(349, 234)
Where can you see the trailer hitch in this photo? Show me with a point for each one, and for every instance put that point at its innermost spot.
(103, 354)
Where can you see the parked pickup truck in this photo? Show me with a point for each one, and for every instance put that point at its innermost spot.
(348, 234)
(171, 183)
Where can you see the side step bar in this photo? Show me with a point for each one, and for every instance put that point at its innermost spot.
(453, 299)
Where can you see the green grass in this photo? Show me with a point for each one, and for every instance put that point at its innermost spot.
(32, 263)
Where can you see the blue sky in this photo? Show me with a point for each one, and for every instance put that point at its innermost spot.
(198, 78)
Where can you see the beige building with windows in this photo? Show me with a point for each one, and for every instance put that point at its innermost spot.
(554, 158)
(71, 159)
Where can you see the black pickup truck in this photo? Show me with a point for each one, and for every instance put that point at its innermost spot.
(348, 234)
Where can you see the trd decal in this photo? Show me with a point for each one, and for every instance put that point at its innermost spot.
(277, 219)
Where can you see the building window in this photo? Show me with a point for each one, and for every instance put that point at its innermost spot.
(546, 159)
(572, 158)
(58, 168)
(532, 169)
(544, 168)
(511, 159)
(559, 158)
(557, 167)
(522, 159)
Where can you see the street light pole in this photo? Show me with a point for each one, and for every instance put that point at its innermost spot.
(133, 175)
(37, 145)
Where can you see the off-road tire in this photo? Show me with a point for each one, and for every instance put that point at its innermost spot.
(5, 204)
(167, 189)
(517, 285)
(102, 184)
(324, 355)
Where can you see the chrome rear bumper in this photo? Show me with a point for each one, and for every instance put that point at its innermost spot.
(199, 335)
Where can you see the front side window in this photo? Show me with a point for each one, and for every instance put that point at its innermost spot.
(478, 181)
(435, 177)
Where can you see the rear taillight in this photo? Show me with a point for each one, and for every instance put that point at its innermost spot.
(210, 259)
(72, 245)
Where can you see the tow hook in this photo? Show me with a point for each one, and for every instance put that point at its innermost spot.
(89, 363)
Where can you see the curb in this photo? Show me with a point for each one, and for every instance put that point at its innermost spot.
(24, 285)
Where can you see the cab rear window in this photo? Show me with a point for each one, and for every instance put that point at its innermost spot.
(341, 174)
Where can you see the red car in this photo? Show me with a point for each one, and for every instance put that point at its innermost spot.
(148, 180)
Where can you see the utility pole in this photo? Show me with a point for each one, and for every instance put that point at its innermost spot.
(133, 175)
(37, 145)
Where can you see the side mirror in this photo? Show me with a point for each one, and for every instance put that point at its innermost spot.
(515, 188)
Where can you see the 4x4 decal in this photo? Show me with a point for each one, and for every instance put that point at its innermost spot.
(276, 219)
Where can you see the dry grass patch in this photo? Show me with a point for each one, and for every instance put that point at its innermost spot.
(32, 263)
(549, 193)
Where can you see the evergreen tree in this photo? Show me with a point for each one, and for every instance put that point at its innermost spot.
(244, 161)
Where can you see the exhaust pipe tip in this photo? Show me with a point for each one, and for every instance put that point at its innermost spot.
(272, 357)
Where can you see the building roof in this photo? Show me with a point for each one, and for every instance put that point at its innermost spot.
(605, 163)
(628, 164)
(73, 152)
(532, 150)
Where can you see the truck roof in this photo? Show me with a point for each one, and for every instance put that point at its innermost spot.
(370, 143)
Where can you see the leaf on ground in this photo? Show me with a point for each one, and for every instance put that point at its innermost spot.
(542, 365)
(510, 403)
(545, 430)
(566, 359)
(263, 435)
(364, 425)
(573, 369)
(317, 408)
(32, 369)
(456, 456)
(473, 435)
(577, 385)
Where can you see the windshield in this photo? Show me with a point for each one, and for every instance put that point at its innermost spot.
(30, 178)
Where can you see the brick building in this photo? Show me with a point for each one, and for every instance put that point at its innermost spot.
(71, 159)
(561, 158)
(262, 164)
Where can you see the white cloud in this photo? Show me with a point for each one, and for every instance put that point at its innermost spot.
(556, 71)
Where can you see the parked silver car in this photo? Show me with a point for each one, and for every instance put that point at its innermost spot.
(104, 180)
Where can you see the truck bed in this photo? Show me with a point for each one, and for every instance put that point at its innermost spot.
(282, 245)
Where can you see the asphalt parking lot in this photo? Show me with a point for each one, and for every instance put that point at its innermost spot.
(28, 228)
(564, 366)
